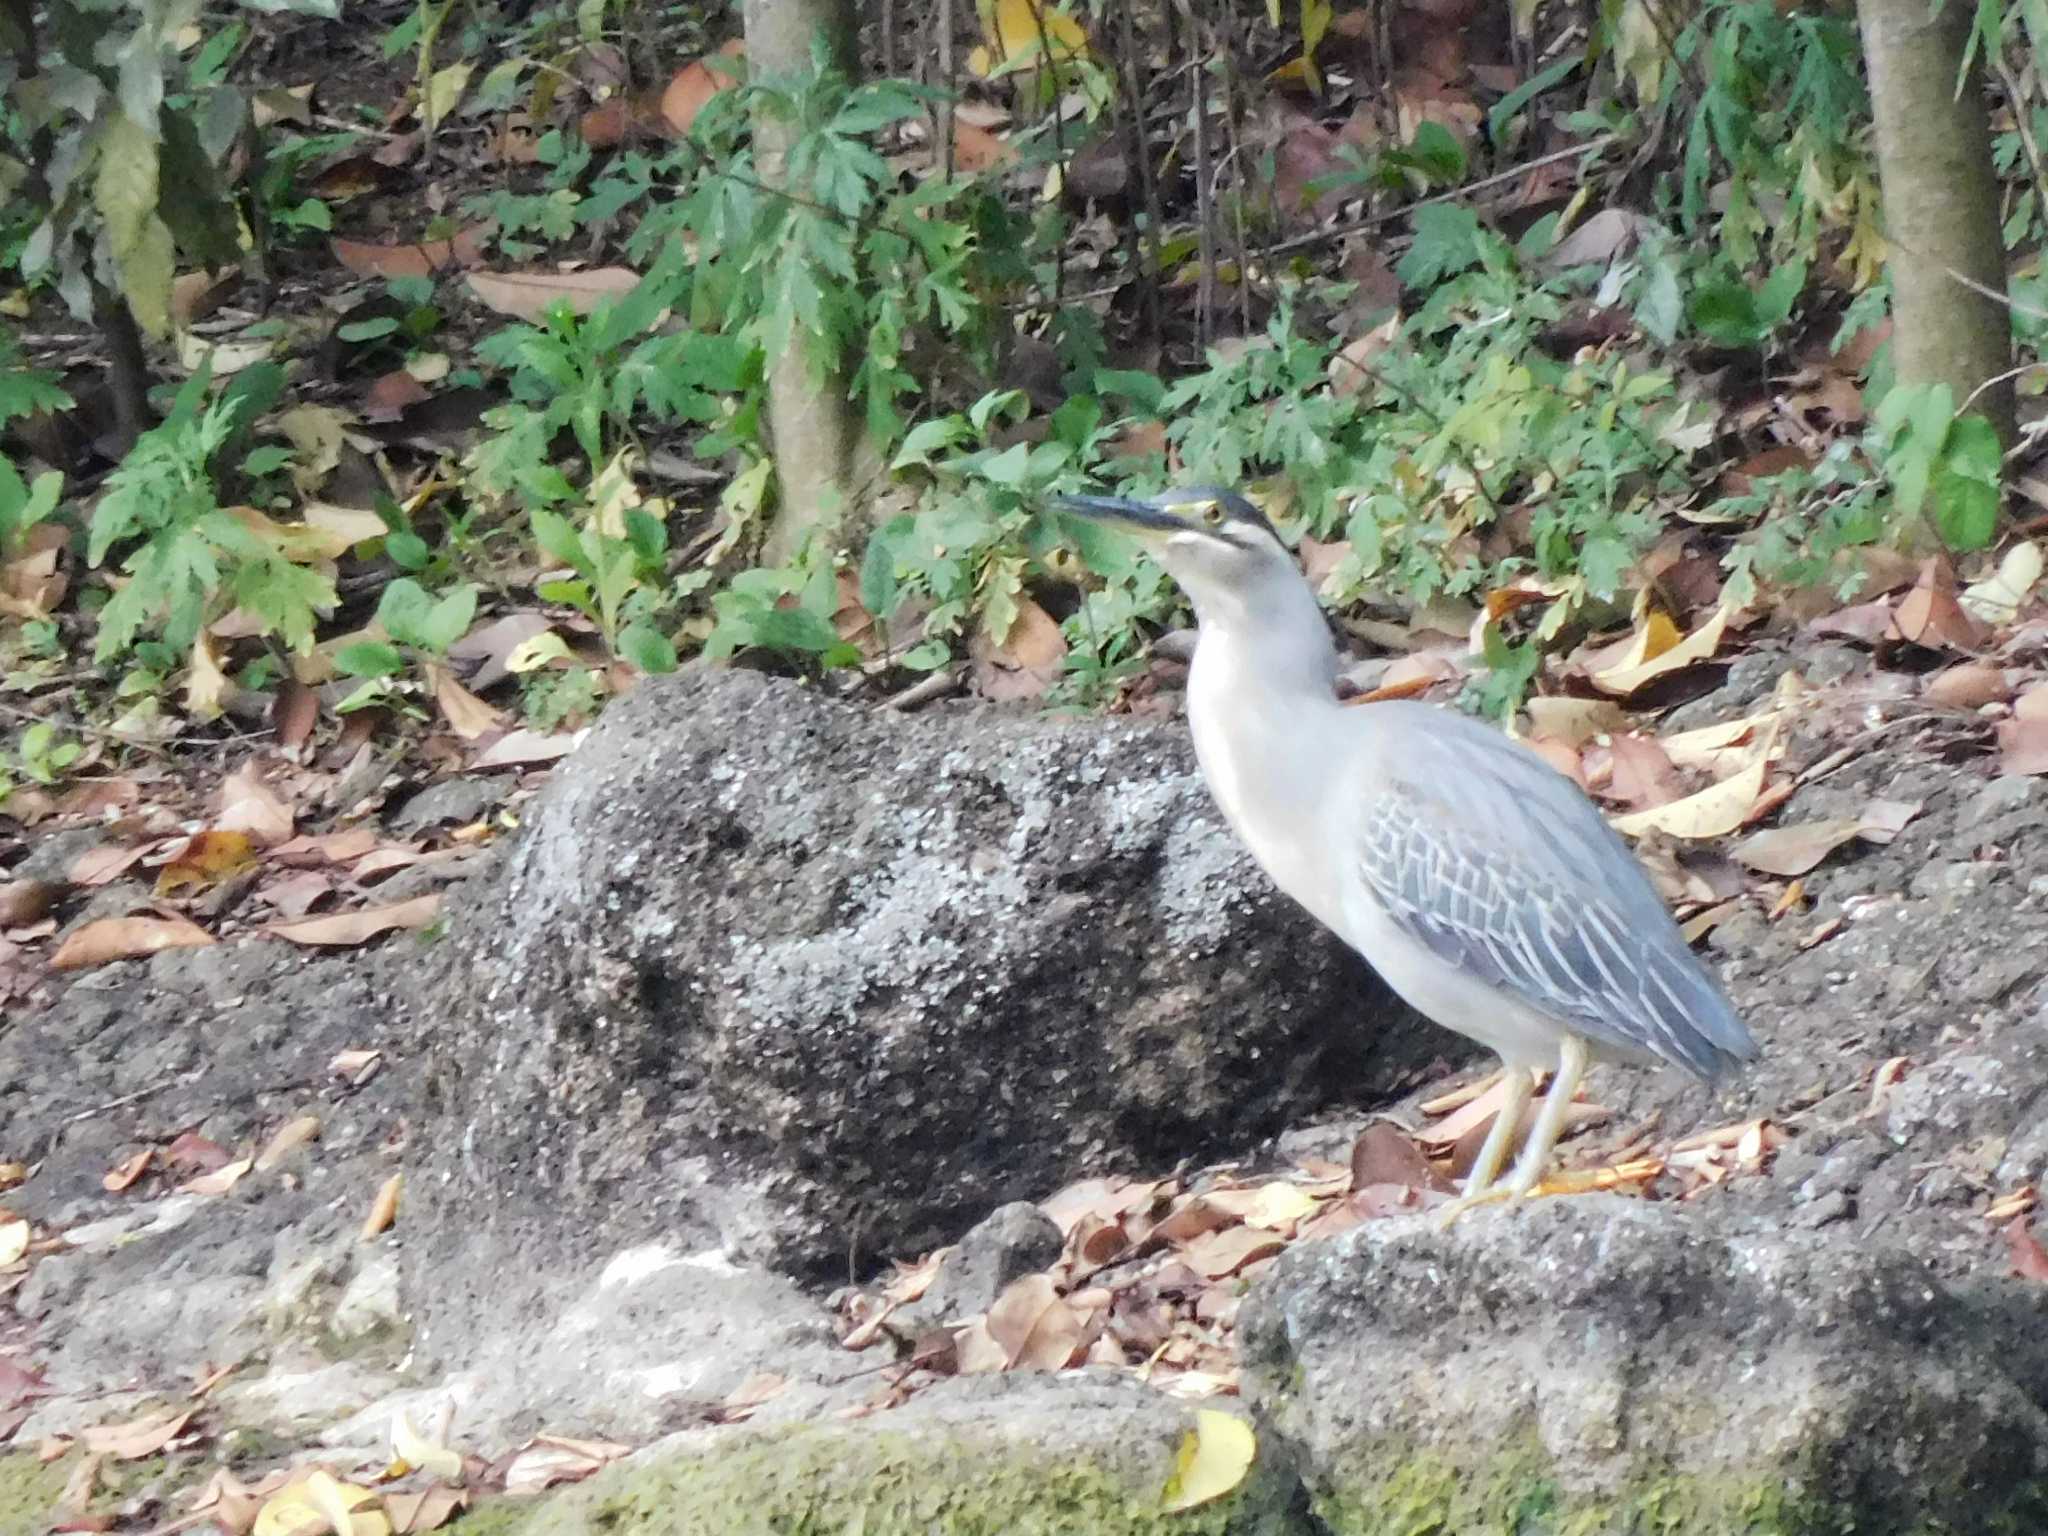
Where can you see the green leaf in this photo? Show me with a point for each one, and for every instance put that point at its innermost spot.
(928, 438)
(1010, 469)
(1973, 449)
(557, 536)
(408, 551)
(1725, 312)
(369, 658)
(403, 610)
(449, 619)
(1505, 109)
(1447, 242)
(368, 330)
(1437, 153)
(125, 192)
(879, 584)
(647, 648)
(1965, 511)
(1144, 390)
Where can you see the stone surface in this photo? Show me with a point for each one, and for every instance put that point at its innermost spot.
(1012, 1241)
(1614, 1361)
(810, 984)
(987, 1456)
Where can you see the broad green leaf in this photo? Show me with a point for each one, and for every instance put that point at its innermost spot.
(444, 90)
(125, 192)
(1965, 511)
(369, 658)
(647, 648)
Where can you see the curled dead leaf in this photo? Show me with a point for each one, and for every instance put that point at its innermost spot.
(384, 1211)
(126, 938)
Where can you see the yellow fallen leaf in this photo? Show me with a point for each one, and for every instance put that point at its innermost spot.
(292, 1135)
(1278, 1205)
(1714, 812)
(1720, 748)
(1213, 1459)
(421, 1454)
(1696, 647)
(13, 1242)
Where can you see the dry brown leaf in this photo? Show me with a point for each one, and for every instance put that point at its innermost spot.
(1217, 1254)
(975, 149)
(108, 862)
(219, 1182)
(691, 88)
(1351, 370)
(421, 259)
(125, 938)
(522, 748)
(530, 295)
(343, 929)
(137, 1438)
(1574, 721)
(384, 1209)
(1024, 663)
(1643, 774)
(127, 1171)
(26, 901)
(248, 804)
(467, 715)
(1796, 849)
(191, 1152)
(1386, 1154)
(427, 1510)
(2023, 746)
(2029, 1260)
(1033, 1325)
(297, 1132)
(326, 848)
(1932, 615)
(750, 1394)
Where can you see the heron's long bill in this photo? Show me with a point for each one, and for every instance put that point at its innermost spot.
(1122, 512)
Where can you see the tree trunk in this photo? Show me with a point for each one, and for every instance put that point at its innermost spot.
(823, 463)
(1940, 205)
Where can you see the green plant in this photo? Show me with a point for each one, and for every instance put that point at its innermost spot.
(418, 626)
(39, 757)
(188, 556)
(1941, 462)
(616, 559)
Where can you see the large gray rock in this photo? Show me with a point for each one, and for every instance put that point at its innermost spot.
(814, 985)
(1602, 1366)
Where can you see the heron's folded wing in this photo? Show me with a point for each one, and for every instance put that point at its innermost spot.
(1518, 881)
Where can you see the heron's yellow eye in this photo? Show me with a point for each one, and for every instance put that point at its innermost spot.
(1212, 514)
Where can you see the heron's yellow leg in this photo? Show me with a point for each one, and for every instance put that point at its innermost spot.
(1520, 1083)
(1572, 1061)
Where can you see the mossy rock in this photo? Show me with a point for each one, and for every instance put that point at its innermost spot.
(989, 1459)
(28, 1492)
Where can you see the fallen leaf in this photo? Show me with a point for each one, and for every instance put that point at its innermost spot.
(2029, 1260)
(1574, 721)
(343, 929)
(205, 861)
(1033, 1325)
(249, 805)
(523, 748)
(530, 295)
(1795, 850)
(13, 1242)
(208, 688)
(427, 1510)
(138, 1437)
(691, 88)
(1024, 663)
(1225, 1252)
(27, 901)
(127, 1171)
(541, 1466)
(108, 862)
(1931, 615)
(1632, 676)
(1713, 812)
(297, 1132)
(421, 259)
(1212, 1460)
(750, 1394)
(1025, 32)
(467, 715)
(1998, 598)
(191, 1153)
(125, 938)
(1386, 1154)
(418, 1453)
(219, 1182)
(2023, 746)
(317, 1504)
(384, 1209)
